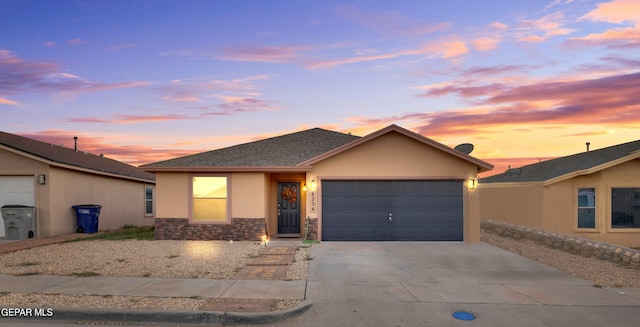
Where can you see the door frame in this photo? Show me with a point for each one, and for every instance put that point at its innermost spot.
(299, 208)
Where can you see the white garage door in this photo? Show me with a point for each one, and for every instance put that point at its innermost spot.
(16, 190)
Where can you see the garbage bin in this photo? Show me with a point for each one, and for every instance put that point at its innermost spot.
(19, 221)
(87, 217)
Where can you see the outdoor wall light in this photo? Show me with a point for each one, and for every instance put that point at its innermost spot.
(304, 187)
(471, 184)
(42, 179)
(313, 184)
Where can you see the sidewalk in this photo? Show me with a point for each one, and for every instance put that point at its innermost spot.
(232, 293)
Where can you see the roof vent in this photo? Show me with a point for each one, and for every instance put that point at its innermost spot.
(85, 152)
(101, 155)
(75, 143)
(588, 144)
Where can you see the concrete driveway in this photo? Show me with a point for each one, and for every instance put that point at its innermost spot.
(423, 283)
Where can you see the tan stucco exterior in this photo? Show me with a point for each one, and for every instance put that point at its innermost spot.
(392, 155)
(553, 206)
(396, 156)
(122, 200)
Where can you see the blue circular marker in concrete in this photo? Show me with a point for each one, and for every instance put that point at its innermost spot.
(463, 315)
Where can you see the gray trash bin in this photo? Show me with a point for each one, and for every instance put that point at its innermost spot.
(19, 221)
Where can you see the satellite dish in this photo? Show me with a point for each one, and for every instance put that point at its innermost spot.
(465, 148)
(513, 171)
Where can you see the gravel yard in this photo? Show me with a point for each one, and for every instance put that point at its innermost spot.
(133, 258)
(600, 272)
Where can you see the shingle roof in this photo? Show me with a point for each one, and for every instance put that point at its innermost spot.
(56, 154)
(555, 168)
(280, 151)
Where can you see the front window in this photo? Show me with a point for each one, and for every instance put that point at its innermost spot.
(625, 207)
(210, 198)
(586, 208)
(148, 200)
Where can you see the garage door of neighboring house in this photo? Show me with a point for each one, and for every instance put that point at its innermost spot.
(402, 210)
(17, 190)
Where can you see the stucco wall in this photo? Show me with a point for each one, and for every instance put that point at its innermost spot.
(557, 207)
(247, 195)
(516, 205)
(123, 201)
(172, 195)
(395, 156)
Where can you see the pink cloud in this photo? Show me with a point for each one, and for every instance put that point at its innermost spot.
(126, 119)
(390, 22)
(196, 92)
(121, 46)
(279, 54)
(612, 37)
(36, 76)
(498, 25)
(131, 154)
(485, 43)
(76, 41)
(617, 11)
(608, 100)
(446, 48)
(7, 102)
(538, 30)
(49, 44)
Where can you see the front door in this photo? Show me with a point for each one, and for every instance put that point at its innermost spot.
(288, 208)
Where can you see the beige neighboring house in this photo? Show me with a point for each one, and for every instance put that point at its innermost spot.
(593, 194)
(390, 185)
(54, 178)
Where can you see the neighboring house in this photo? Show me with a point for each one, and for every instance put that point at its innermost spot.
(54, 178)
(594, 194)
(390, 185)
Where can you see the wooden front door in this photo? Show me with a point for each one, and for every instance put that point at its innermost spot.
(289, 208)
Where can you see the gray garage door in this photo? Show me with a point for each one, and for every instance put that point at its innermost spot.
(392, 210)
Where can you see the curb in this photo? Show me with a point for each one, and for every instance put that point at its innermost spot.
(186, 317)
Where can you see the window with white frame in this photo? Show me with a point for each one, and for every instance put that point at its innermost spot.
(210, 194)
(148, 200)
(625, 207)
(586, 208)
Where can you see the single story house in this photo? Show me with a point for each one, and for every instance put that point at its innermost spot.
(593, 194)
(53, 178)
(390, 185)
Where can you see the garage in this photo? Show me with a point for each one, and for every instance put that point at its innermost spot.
(392, 210)
(16, 190)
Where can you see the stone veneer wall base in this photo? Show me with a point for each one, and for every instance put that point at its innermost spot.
(568, 243)
(240, 229)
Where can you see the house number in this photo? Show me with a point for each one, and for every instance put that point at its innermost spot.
(313, 202)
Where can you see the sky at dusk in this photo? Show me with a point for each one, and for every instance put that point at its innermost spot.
(143, 81)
